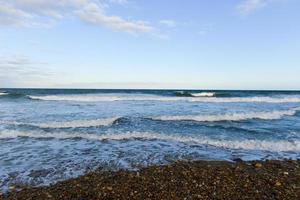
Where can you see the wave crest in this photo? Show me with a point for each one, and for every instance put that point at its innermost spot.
(204, 98)
(274, 146)
(203, 94)
(249, 100)
(194, 94)
(76, 123)
(231, 117)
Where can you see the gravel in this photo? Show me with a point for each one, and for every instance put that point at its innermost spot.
(179, 180)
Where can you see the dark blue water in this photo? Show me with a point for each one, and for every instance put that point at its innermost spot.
(52, 135)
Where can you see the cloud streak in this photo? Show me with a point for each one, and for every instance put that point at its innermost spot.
(121, 2)
(28, 13)
(95, 14)
(168, 23)
(11, 16)
(248, 6)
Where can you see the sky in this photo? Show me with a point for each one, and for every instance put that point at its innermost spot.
(192, 44)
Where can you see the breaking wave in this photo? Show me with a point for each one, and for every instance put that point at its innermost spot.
(192, 94)
(205, 99)
(203, 94)
(274, 146)
(76, 123)
(249, 100)
(95, 98)
(12, 95)
(232, 117)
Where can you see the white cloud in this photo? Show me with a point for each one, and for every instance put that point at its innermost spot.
(249, 6)
(10, 15)
(168, 23)
(95, 14)
(122, 2)
(42, 12)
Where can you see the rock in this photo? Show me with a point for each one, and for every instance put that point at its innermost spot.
(12, 188)
(278, 183)
(237, 160)
(258, 165)
(109, 188)
(49, 196)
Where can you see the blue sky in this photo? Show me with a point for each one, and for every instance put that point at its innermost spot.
(205, 44)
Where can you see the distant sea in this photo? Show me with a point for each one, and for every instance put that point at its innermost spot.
(52, 135)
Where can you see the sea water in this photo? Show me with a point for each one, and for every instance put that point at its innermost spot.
(52, 135)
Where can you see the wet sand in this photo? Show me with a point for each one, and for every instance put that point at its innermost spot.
(180, 180)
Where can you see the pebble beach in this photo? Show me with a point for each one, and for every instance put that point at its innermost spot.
(179, 180)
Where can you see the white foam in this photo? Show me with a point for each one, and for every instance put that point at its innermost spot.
(83, 98)
(203, 94)
(274, 146)
(77, 123)
(206, 97)
(101, 98)
(291, 99)
(3, 93)
(232, 116)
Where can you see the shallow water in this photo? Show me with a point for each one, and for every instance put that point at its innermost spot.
(52, 135)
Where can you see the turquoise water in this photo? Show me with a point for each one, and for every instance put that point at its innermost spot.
(52, 135)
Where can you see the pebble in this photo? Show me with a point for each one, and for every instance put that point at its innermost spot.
(258, 165)
(49, 196)
(190, 180)
(109, 188)
(12, 188)
(278, 183)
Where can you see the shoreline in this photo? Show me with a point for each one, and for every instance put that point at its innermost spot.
(272, 179)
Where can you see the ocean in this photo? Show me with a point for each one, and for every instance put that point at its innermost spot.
(49, 135)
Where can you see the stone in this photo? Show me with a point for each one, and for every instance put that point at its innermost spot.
(258, 165)
(278, 183)
(109, 188)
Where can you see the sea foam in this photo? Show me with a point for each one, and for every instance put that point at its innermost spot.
(272, 115)
(286, 99)
(75, 123)
(205, 98)
(265, 145)
(203, 94)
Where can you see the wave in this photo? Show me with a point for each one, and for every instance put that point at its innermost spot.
(192, 94)
(12, 95)
(274, 146)
(249, 100)
(110, 98)
(76, 123)
(3, 93)
(231, 117)
(80, 98)
(203, 94)
(101, 98)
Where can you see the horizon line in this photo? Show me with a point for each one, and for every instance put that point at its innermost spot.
(63, 88)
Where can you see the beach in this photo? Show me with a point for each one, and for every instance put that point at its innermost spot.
(179, 180)
(162, 100)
